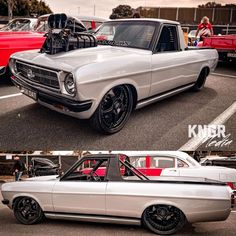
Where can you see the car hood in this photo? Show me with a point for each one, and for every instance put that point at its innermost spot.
(44, 178)
(75, 59)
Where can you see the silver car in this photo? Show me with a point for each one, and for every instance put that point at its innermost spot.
(134, 63)
(107, 188)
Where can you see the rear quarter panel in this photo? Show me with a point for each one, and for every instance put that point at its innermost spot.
(198, 202)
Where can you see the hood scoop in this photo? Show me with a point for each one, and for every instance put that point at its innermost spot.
(63, 38)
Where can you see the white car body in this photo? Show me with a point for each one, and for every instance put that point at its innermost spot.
(191, 169)
(120, 198)
(151, 75)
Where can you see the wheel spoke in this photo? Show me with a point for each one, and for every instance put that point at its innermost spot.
(116, 116)
(108, 110)
(121, 96)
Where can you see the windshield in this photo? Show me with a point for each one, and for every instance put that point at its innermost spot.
(42, 25)
(18, 25)
(134, 34)
(192, 32)
(193, 162)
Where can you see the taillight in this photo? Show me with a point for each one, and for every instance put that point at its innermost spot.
(231, 185)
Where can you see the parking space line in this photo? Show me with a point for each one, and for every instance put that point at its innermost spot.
(224, 75)
(196, 142)
(10, 95)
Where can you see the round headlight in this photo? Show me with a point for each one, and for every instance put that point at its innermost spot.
(69, 84)
(12, 65)
(15, 66)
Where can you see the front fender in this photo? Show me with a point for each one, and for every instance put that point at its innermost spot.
(48, 207)
(95, 91)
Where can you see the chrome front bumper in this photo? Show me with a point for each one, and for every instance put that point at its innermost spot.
(53, 100)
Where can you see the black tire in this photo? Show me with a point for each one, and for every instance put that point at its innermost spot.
(114, 110)
(6, 77)
(163, 219)
(27, 211)
(200, 81)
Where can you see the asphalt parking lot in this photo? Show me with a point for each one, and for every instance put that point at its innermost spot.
(9, 226)
(163, 125)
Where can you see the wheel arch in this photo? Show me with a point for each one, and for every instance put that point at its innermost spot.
(123, 82)
(22, 195)
(205, 67)
(165, 202)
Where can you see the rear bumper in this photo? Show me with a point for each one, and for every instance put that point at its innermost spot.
(54, 100)
(2, 70)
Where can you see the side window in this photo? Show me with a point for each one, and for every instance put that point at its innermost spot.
(89, 170)
(87, 24)
(163, 162)
(181, 164)
(168, 40)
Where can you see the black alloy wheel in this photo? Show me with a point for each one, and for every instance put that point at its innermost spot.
(114, 110)
(163, 219)
(27, 211)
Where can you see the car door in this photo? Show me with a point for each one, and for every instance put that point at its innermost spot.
(80, 195)
(171, 65)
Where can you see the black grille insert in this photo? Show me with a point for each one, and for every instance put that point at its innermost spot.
(38, 75)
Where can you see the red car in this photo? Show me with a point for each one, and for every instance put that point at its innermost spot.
(11, 42)
(225, 45)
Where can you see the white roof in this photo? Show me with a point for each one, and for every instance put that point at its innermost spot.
(180, 154)
(149, 19)
(91, 18)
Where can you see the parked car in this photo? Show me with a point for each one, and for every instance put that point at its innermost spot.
(177, 163)
(219, 161)
(74, 22)
(224, 44)
(192, 39)
(141, 62)
(42, 167)
(11, 42)
(91, 22)
(20, 24)
(162, 204)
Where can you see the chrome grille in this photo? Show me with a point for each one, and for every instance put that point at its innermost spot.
(38, 75)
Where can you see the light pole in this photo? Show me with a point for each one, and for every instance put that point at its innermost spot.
(94, 8)
(10, 9)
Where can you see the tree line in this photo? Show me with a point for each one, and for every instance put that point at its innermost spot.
(126, 11)
(25, 7)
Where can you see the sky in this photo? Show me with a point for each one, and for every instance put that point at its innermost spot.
(104, 7)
